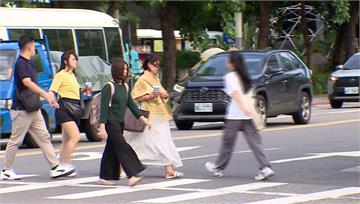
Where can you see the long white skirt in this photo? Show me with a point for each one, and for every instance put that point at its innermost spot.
(155, 146)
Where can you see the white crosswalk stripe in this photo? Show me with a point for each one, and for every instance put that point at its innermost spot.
(125, 189)
(312, 196)
(210, 193)
(178, 185)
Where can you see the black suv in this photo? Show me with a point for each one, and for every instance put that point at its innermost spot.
(282, 81)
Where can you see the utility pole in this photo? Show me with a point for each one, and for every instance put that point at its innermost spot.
(239, 30)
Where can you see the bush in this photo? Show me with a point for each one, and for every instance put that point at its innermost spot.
(186, 59)
(320, 82)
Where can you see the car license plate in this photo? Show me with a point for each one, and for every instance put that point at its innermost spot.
(203, 107)
(351, 90)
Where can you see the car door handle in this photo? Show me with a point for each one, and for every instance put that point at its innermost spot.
(298, 76)
(284, 81)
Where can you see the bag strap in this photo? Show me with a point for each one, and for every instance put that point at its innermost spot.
(112, 88)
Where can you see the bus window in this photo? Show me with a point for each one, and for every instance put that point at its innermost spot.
(60, 40)
(15, 34)
(90, 42)
(113, 42)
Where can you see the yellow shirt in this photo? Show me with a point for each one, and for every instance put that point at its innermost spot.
(144, 85)
(66, 85)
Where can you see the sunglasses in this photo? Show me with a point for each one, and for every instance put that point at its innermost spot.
(156, 64)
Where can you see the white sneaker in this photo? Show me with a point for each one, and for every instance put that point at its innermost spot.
(73, 174)
(62, 170)
(264, 174)
(211, 167)
(9, 174)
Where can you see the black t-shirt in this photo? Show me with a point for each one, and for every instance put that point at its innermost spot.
(23, 69)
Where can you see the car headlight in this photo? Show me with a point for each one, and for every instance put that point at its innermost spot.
(6, 104)
(178, 88)
(332, 78)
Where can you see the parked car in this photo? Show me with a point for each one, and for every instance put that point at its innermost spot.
(282, 86)
(344, 83)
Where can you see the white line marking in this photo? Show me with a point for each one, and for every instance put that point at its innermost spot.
(125, 189)
(312, 196)
(181, 149)
(319, 155)
(214, 155)
(46, 185)
(211, 193)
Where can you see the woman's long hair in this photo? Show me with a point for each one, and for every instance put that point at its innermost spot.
(65, 58)
(237, 60)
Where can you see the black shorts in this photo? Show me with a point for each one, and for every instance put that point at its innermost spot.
(62, 116)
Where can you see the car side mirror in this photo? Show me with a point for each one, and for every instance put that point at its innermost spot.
(339, 67)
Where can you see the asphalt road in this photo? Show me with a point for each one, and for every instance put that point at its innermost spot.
(314, 163)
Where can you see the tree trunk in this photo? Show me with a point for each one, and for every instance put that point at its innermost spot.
(337, 52)
(264, 24)
(350, 33)
(305, 32)
(113, 8)
(169, 58)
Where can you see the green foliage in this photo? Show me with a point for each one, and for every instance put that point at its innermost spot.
(186, 59)
(320, 82)
(341, 14)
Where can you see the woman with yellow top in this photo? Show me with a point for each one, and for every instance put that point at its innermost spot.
(154, 146)
(68, 89)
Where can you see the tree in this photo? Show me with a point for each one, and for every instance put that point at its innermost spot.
(167, 13)
(304, 29)
(264, 24)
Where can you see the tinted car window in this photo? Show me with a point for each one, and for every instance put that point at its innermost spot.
(213, 67)
(36, 62)
(353, 62)
(15, 34)
(113, 42)
(7, 61)
(286, 62)
(273, 63)
(254, 63)
(60, 40)
(91, 43)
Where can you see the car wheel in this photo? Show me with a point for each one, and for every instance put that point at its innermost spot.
(184, 125)
(303, 115)
(336, 103)
(261, 107)
(91, 131)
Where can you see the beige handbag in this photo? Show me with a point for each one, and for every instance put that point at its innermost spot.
(255, 116)
(133, 124)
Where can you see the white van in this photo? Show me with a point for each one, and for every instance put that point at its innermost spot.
(87, 32)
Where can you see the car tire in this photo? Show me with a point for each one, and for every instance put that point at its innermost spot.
(336, 103)
(91, 131)
(184, 125)
(261, 106)
(303, 115)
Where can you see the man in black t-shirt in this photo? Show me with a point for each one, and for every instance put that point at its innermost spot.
(22, 122)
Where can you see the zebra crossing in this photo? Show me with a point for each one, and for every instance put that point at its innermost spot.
(180, 191)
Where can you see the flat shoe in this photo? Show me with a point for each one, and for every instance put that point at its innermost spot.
(134, 181)
(105, 182)
(176, 174)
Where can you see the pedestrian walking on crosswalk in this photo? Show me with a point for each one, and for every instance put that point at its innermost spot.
(239, 117)
(117, 151)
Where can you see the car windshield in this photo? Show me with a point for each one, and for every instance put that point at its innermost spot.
(7, 61)
(217, 66)
(353, 62)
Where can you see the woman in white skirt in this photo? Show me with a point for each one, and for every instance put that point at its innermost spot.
(154, 146)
